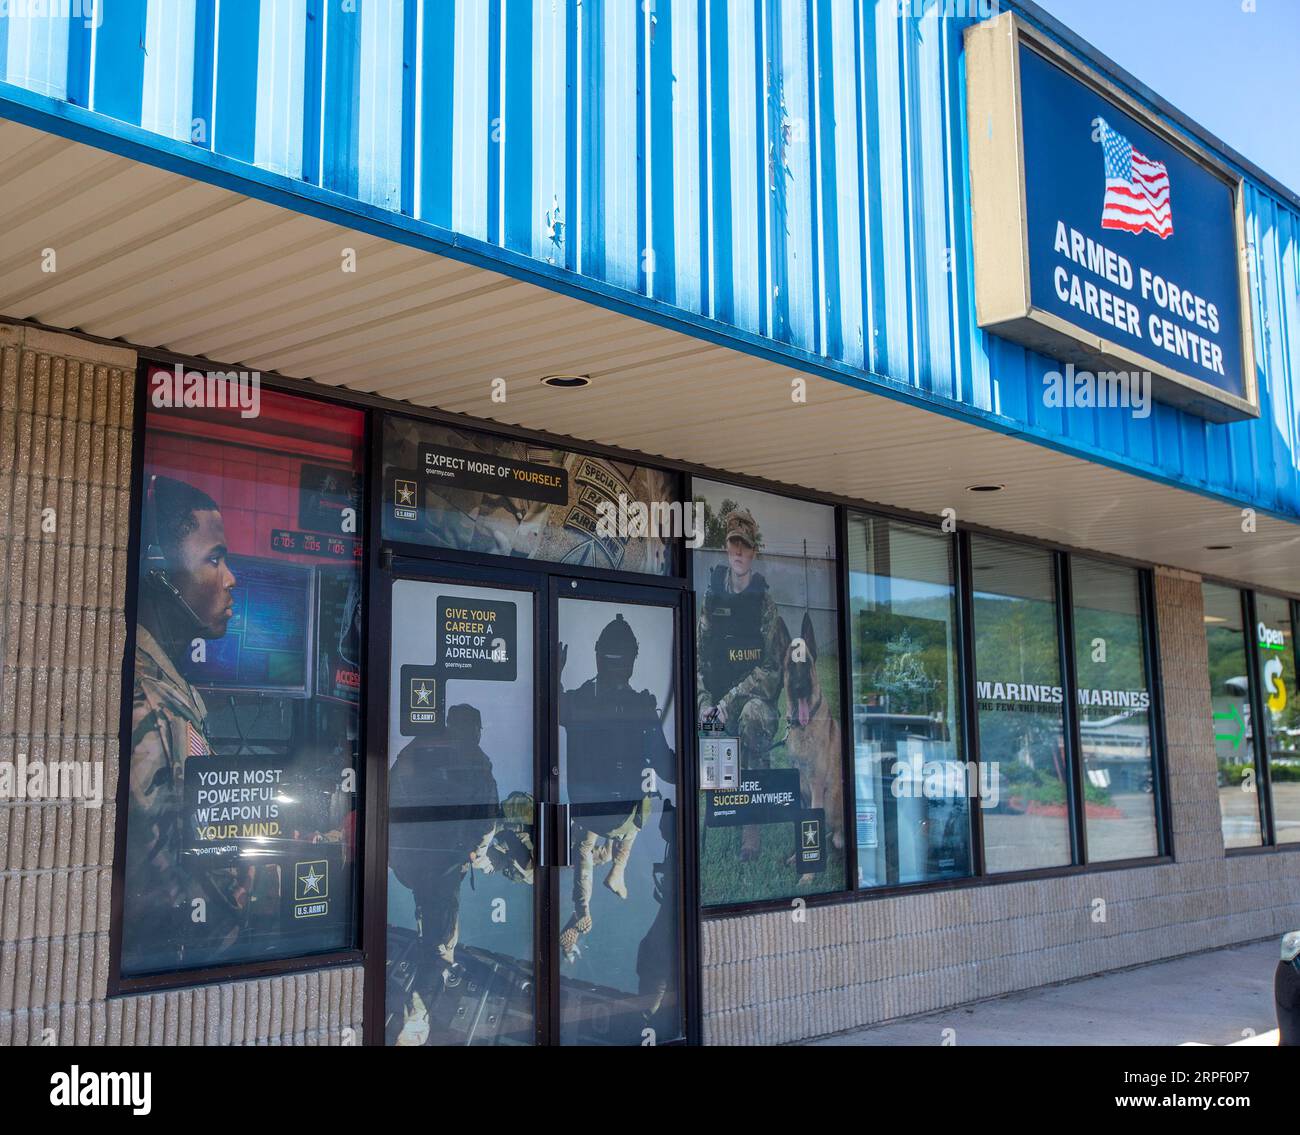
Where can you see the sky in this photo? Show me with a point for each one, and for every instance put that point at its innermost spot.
(1231, 65)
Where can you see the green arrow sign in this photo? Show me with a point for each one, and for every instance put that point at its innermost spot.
(1235, 738)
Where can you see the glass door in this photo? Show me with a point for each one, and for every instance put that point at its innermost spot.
(617, 891)
(461, 963)
(535, 860)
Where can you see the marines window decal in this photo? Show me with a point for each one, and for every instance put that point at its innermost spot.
(242, 770)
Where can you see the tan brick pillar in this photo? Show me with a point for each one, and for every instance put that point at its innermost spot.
(1219, 899)
(66, 417)
(1189, 731)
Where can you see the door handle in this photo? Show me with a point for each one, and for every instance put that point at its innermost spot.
(562, 843)
(554, 844)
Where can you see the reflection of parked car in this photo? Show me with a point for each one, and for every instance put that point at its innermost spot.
(1286, 990)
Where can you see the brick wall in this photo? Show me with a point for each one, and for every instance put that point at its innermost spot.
(65, 444)
(769, 978)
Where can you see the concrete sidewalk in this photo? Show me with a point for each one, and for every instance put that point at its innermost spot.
(1219, 997)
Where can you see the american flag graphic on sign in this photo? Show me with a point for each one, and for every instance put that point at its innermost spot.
(197, 744)
(1137, 188)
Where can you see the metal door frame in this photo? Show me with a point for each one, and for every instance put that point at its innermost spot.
(688, 921)
(545, 586)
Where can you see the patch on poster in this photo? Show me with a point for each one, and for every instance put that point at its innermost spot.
(421, 705)
(810, 842)
(448, 468)
(477, 639)
(764, 796)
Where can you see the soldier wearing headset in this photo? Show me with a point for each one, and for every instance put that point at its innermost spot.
(186, 593)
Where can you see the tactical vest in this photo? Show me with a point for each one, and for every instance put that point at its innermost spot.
(608, 745)
(733, 648)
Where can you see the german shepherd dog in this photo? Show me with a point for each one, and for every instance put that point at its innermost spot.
(812, 738)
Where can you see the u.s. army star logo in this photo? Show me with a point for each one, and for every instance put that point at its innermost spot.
(311, 880)
(405, 499)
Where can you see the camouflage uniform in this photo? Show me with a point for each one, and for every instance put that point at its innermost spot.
(740, 663)
(613, 735)
(167, 728)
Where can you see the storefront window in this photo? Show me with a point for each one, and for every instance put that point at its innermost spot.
(1275, 646)
(242, 805)
(1234, 740)
(1114, 712)
(474, 492)
(1021, 713)
(768, 697)
(913, 790)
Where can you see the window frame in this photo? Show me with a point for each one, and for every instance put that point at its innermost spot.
(963, 582)
(371, 822)
(967, 731)
(1263, 805)
(121, 985)
(1269, 843)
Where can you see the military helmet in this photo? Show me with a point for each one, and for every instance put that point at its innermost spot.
(741, 525)
(617, 638)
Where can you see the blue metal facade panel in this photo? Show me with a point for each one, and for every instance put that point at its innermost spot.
(785, 175)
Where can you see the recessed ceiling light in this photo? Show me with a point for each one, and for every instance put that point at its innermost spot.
(567, 381)
(1218, 547)
(985, 488)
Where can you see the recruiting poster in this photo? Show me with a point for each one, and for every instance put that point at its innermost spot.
(242, 777)
(461, 818)
(475, 492)
(767, 697)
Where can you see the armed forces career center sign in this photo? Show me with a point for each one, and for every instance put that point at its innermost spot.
(1099, 238)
